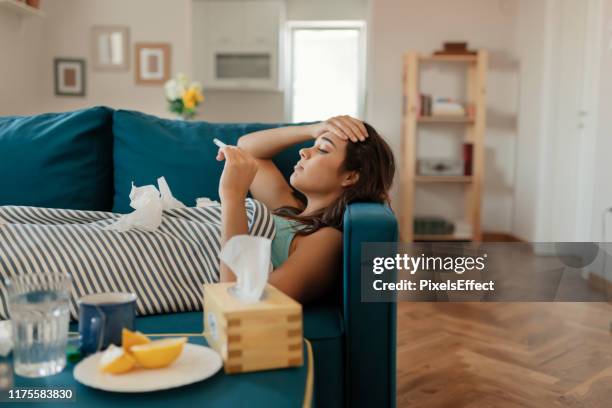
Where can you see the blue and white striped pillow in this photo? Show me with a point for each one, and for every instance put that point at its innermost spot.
(165, 269)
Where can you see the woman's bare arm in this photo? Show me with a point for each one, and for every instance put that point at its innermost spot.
(312, 267)
(265, 144)
(238, 172)
(269, 186)
(234, 222)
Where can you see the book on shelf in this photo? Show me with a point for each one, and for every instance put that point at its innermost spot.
(468, 154)
(447, 107)
(443, 107)
(425, 103)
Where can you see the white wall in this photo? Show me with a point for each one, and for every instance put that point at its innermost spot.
(396, 26)
(327, 9)
(20, 47)
(268, 106)
(67, 34)
(531, 42)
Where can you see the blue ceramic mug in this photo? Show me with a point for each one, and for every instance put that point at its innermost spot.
(102, 316)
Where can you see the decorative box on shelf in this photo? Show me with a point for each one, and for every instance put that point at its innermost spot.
(254, 336)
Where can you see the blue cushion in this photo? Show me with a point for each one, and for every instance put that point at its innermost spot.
(59, 160)
(148, 147)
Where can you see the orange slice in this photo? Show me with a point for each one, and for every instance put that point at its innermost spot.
(158, 353)
(116, 361)
(130, 338)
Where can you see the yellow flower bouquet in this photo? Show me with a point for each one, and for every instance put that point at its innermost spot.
(183, 96)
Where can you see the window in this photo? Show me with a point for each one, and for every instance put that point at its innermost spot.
(326, 70)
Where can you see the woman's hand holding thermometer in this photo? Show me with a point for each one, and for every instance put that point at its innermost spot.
(238, 173)
(219, 143)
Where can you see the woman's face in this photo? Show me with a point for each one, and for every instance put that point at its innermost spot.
(318, 170)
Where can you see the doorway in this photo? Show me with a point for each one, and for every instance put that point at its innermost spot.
(568, 151)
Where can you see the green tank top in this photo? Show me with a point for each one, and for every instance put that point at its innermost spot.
(285, 231)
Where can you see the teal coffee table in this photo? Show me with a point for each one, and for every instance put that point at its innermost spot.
(291, 387)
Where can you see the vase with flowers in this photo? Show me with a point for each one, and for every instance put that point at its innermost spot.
(183, 96)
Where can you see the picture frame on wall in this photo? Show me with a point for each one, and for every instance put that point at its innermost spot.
(152, 63)
(69, 74)
(110, 48)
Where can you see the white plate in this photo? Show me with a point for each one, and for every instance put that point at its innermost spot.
(196, 363)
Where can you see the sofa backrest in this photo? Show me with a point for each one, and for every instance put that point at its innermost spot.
(147, 147)
(57, 160)
(87, 159)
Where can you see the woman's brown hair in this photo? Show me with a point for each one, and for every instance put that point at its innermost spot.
(373, 160)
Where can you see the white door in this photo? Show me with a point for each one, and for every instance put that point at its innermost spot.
(569, 122)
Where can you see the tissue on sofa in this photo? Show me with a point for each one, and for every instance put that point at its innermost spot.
(148, 204)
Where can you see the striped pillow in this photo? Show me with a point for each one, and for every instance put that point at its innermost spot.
(165, 269)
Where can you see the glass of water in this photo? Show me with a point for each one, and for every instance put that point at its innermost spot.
(39, 311)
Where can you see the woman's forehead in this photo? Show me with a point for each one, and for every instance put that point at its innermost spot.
(332, 138)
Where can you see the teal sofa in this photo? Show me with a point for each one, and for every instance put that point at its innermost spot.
(87, 159)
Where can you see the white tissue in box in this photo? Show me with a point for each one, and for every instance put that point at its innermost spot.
(249, 258)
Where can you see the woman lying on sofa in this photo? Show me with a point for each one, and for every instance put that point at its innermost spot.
(348, 162)
(166, 266)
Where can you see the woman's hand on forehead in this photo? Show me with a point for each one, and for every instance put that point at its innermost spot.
(344, 127)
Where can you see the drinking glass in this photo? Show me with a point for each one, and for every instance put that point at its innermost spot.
(39, 310)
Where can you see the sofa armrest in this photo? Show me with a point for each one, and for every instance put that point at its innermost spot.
(370, 332)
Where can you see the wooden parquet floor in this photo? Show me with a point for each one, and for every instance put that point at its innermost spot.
(456, 355)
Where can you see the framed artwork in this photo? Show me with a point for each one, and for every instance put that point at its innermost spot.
(69, 76)
(110, 48)
(152, 63)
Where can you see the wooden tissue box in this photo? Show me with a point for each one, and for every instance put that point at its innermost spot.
(253, 336)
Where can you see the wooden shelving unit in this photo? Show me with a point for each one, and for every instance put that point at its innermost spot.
(448, 58)
(20, 8)
(476, 67)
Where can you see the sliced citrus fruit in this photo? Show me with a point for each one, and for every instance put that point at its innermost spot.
(130, 338)
(116, 361)
(158, 353)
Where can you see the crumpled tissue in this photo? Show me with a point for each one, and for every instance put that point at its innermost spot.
(148, 203)
(202, 202)
(249, 258)
(6, 337)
